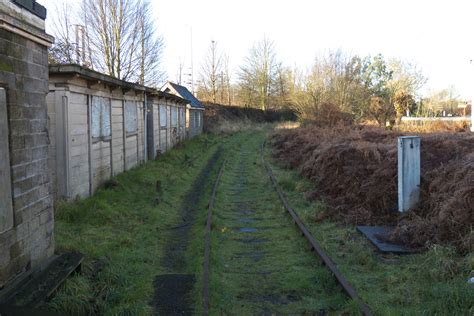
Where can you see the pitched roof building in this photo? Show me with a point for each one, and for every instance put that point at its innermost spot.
(194, 109)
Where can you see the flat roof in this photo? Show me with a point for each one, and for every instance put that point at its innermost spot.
(89, 74)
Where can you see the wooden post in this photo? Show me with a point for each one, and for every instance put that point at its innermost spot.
(408, 172)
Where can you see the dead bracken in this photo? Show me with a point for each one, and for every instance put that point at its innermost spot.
(354, 170)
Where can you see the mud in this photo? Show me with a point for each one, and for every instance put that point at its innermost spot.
(173, 294)
(172, 290)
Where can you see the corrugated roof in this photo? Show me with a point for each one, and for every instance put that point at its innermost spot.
(186, 94)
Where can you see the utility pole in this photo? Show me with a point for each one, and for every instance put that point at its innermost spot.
(192, 65)
(80, 44)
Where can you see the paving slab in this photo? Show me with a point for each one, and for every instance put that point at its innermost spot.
(379, 236)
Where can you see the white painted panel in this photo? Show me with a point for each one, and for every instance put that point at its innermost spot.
(408, 172)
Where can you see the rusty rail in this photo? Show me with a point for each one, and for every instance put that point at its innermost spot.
(314, 245)
(207, 245)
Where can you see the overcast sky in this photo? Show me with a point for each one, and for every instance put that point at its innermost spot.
(436, 35)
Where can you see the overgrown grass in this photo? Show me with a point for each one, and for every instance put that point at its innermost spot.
(121, 233)
(429, 283)
(269, 268)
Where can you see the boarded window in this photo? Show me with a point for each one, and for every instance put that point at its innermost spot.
(100, 117)
(182, 117)
(163, 119)
(131, 117)
(174, 116)
(6, 209)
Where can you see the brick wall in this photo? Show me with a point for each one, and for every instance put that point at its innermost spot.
(24, 76)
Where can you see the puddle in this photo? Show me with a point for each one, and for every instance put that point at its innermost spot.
(254, 256)
(252, 240)
(251, 229)
(246, 212)
(248, 230)
(247, 220)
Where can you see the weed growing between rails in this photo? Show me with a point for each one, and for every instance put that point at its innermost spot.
(122, 233)
(434, 282)
(259, 263)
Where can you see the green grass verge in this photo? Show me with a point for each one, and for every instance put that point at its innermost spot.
(121, 232)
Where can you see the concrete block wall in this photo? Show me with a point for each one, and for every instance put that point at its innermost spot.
(24, 77)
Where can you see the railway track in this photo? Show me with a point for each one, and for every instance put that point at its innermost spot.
(255, 261)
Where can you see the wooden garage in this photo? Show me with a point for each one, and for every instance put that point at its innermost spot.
(166, 122)
(194, 108)
(97, 128)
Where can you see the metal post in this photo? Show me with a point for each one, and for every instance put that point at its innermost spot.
(408, 172)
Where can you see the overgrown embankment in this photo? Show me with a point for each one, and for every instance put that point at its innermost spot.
(354, 170)
(217, 116)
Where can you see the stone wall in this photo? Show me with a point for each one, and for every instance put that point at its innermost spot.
(28, 239)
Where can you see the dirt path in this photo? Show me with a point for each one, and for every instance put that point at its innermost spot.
(259, 263)
(173, 290)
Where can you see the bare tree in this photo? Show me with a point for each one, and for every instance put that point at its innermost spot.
(211, 76)
(64, 49)
(226, 85)
(151, 47)
(117, 37)
(258, 75)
